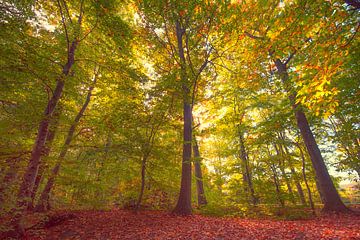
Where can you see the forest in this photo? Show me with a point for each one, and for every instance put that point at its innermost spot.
(179, 119)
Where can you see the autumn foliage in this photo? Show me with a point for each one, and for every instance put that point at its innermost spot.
(243, 110)
(120, 224)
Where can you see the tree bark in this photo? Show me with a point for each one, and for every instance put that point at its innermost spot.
(198, 175)
(353, 3)
(183, 206)
(43, 204)
(332, 201)
(32, 169)
(30, 174)
(42, 166)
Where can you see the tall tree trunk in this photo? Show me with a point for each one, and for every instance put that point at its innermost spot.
(42, 166)
(319, 190)
(32, 169)
(332, 201)
(198, 174)
(30, 174)
(183, 206)
(43, 204)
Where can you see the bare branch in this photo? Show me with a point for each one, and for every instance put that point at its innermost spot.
(64, 24)
(253, 36)
(67, 11)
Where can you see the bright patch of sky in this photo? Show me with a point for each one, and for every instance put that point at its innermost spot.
(41, 22)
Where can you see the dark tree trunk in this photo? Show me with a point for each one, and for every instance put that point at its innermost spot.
(30, 174)
(332, 201)
(319, 190)
(183, 206)
(42, 166)
(353, 3)
(198, 174)
(43, 204)
(32, 169)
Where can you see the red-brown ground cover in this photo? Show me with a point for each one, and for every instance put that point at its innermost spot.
(122, 224)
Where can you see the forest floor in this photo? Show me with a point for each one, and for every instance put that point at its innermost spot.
(124, 224)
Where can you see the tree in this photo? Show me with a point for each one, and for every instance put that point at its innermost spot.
(32, 169)
(198, 174)
(179, 22)
(43, 204)
(327, 188)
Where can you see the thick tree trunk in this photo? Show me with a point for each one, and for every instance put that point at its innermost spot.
(43, 204)
(198, 174)
(332, 201)
(183, 206)
(319, 190)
